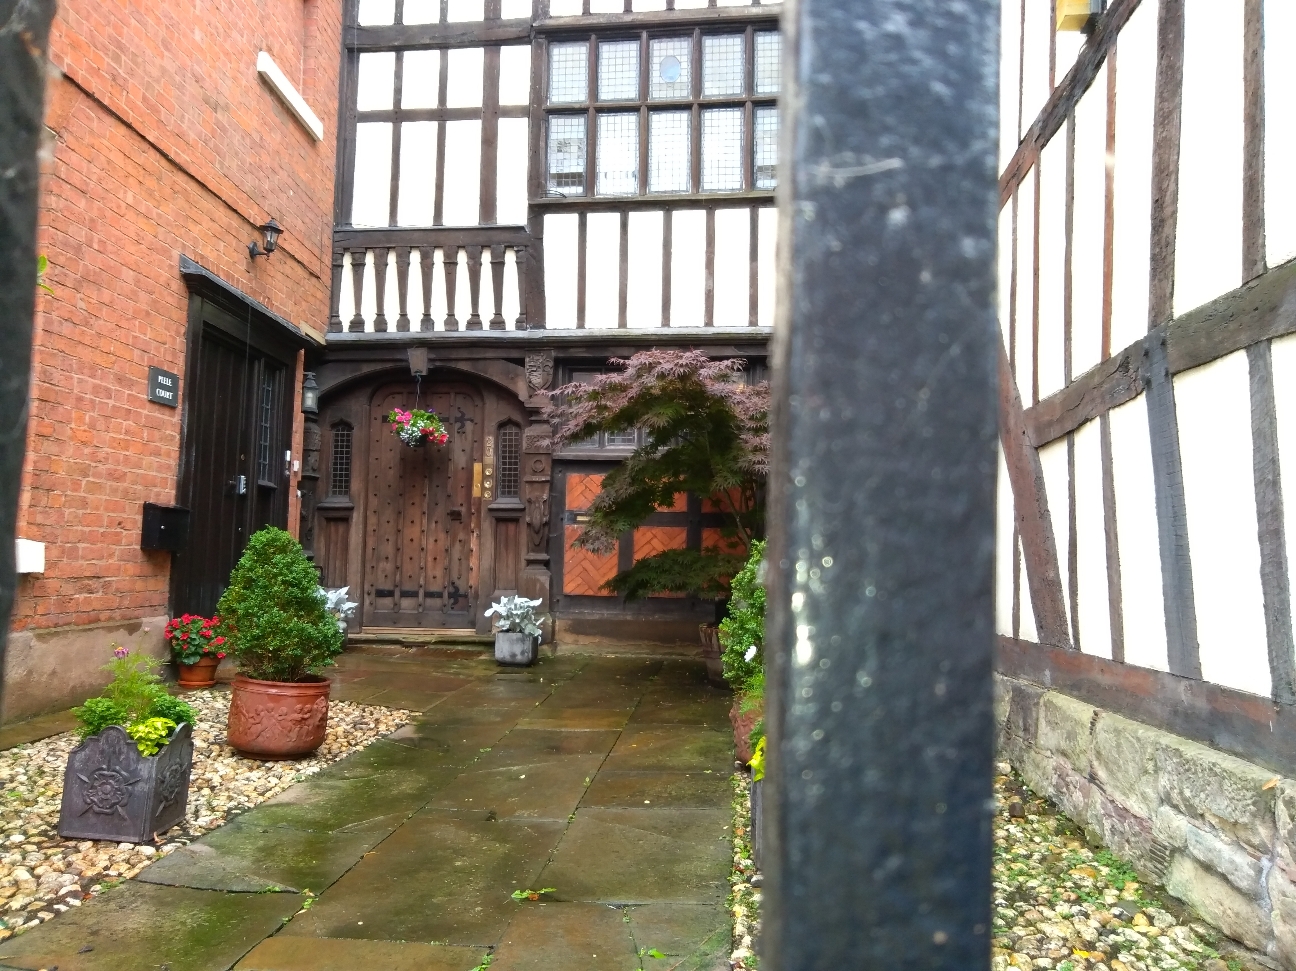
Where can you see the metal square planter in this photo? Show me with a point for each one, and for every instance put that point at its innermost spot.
(111, 792)
(515, 649)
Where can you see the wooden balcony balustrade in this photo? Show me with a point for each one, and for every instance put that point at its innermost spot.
(372, 277)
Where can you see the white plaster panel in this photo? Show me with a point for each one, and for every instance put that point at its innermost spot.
(1135, 103)
(643, 303)
(420, 12)
(420, 78)
(732, 267)
(376, 13)
(561, 233)
(1005, 518)
(511, 171)
(1280, 133)
(1208, 245)
(564, 8)
(1024, 337)
(1028, 630)
(688, 267)
(371, 192)
(1052, 265)
(463, 289)
(1213, 404)
(1035, 60)
(1142, 601)
(602, 269)
(418, 154)
(515, 75)
(1009, 79)
(415, 293)
(1284, 376)
(1003, 267)
(465, 11)
(1057, 479)
(465, 74)
(1069, 43)
(1092, 609)
(461, 202)
(766, 267)
(1088, 226)
(439, 305)
(375, 81)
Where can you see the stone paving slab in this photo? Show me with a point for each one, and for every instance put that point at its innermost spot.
(576, 719)
(338, 954)
(442, 877)
(451, 744)
(567, 937)
(138, 926)
(545, 744)
(684, 748)
(693, 937)
(666, 790)
(539, 790)
(626, 856)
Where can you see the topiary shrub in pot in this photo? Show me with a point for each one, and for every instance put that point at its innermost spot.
(742, 637)
(278, 626)
(128, 780)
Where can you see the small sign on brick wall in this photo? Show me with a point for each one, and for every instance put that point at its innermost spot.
(163, 387)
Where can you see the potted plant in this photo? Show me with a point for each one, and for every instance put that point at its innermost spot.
(128, 780)
(275, 618)
(742, 637)
(197, 647)
(517, 635)
(416, 426)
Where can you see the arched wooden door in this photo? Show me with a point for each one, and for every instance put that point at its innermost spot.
(422, 524)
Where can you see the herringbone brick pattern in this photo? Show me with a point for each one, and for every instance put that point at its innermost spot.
(710, 504)
(581, 490)
(715, 538)
(651, 540)
(584, 573)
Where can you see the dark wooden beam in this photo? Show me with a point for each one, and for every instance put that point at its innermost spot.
(1030, 505)
(760, 14)
(718, 200)
(1274, 575)
(432, 236)
(400, 37)
(1166, 127)
(1111, 543)
(1248, 726)
(1066, 95)
(1253, 126)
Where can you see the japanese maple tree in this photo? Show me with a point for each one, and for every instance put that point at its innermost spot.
(705, 431)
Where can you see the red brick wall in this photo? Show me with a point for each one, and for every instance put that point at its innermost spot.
(162, 141)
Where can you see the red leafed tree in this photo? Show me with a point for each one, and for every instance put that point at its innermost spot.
(705, 431)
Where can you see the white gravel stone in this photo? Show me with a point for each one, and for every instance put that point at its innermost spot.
(222, 784)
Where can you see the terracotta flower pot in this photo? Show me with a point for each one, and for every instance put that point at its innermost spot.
(743, 722)
(200, 674)
(277, 719)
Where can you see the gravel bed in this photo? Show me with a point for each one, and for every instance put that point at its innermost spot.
(744, 881)
(1060, 904)
(42, 875)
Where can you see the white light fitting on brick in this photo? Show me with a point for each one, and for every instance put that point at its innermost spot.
(30, 556)
(268, 69)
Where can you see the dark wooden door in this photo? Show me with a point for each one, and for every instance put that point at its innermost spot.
(422, 515)
(234, 477)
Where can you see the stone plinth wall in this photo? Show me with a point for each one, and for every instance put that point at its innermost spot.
(1217, 831)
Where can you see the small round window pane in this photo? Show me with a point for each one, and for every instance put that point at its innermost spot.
(670, 69)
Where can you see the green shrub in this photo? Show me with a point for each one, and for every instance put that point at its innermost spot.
(273, 613)
(97, 714)
(166, 706)
(151, 734)
(744, 628)
(135, 697)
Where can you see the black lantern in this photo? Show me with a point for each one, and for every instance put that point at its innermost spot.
(310, 395)
(272, 230)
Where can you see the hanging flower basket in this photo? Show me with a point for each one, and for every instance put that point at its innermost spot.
(417, 426)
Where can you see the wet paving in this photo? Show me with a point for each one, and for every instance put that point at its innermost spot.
(603, 778)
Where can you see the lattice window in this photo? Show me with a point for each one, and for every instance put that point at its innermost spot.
(617, 169)
(265, 443)
(670, 134)
(766, 130)
(618, 71)
(621, 439)
(569, 73)
(722, 135)
(509, 468)
(340, 461)
(723, 67)
(670, 68)
(567, 154)
(769, 62)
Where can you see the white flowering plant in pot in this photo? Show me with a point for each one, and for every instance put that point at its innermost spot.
(339, 607)
(517, 632)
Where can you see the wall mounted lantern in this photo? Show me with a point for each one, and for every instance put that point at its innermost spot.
(1078, 14)
(310, 395)
(272, 230)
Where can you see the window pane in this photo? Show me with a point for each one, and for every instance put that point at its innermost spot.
(722, 66)
(722, 132)
(567, 155)
(620, 439)
(464, 76)
(510, 461)
(617, 169)
(769, 62)
(669, 158)
(340, 469)
(766, 132)
(375, 81)
(618, 69)
(670, 69)
(568, 73)
(421, 79)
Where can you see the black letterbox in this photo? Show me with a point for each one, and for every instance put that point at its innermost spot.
(165, 527)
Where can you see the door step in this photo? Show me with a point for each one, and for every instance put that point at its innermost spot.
(378, 638)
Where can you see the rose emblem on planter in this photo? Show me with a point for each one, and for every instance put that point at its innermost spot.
(106, 791)
(170, 784)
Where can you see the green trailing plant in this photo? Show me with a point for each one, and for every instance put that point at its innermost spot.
(704, 431)
(136, 700)
(742, 632)
(531, 894)
(42, 267)
(273, 613)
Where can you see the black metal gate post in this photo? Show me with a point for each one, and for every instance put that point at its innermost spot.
(24, 33)
(882, 509)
